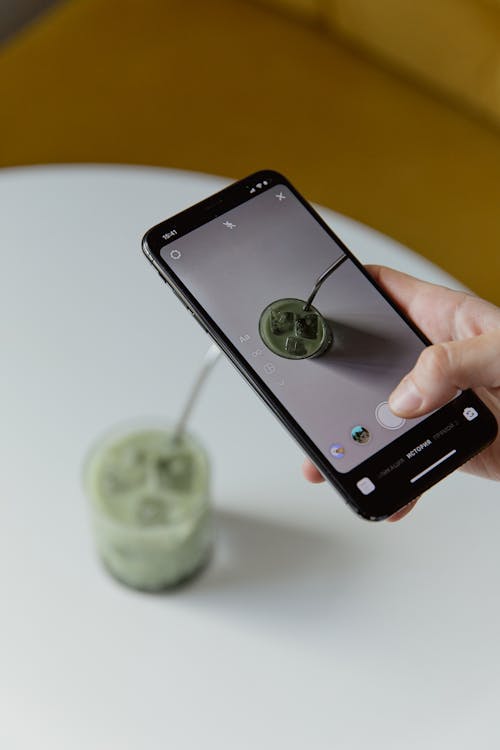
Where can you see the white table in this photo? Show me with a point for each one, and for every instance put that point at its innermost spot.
(311, 628)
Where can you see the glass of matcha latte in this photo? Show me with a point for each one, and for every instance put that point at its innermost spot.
(149, 491)
(149, 494)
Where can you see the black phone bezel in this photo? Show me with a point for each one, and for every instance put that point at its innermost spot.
(367, 506)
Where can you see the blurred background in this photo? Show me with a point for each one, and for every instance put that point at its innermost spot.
(386, 111)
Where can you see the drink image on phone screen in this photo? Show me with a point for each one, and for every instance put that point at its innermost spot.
(316, 338)
(294, 329)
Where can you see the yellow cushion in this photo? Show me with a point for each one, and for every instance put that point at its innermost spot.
(228, 87)
(451, 45)
(306, 8)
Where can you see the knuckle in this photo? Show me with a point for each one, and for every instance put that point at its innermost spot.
(435, 360)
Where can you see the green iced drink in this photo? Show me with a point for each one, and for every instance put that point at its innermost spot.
(149, 495)
(289, 329)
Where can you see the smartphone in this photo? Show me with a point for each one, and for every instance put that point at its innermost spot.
(316, 338)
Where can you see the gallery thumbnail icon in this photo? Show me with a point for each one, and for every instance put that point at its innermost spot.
(365, 485)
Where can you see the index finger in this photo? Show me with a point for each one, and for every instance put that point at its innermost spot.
(433, 308)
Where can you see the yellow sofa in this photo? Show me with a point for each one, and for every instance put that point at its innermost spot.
(232, 85)
(451, 45)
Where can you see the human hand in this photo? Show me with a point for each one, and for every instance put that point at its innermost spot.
(465, 332)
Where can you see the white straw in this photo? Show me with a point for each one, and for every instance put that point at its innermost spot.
(209, 360)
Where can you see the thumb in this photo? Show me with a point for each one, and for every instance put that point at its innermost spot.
(444, 368)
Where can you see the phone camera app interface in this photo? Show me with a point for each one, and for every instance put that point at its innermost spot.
(305, 318)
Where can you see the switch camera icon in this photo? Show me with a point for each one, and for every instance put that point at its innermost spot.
(470, 413)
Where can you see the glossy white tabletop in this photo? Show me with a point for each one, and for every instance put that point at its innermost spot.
(311, 628)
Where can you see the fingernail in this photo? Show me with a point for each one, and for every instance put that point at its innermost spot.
(406, 399)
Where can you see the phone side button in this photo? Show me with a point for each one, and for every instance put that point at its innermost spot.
(198, 320)
(180, 298)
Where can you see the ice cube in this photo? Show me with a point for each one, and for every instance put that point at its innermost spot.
(306, 326)
(133, 456)
(282, 321)
(175, 472)
(294, 345)
(151, 511)
(116, 481)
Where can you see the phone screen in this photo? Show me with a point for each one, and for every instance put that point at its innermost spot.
(325, 356)
(272, 248)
